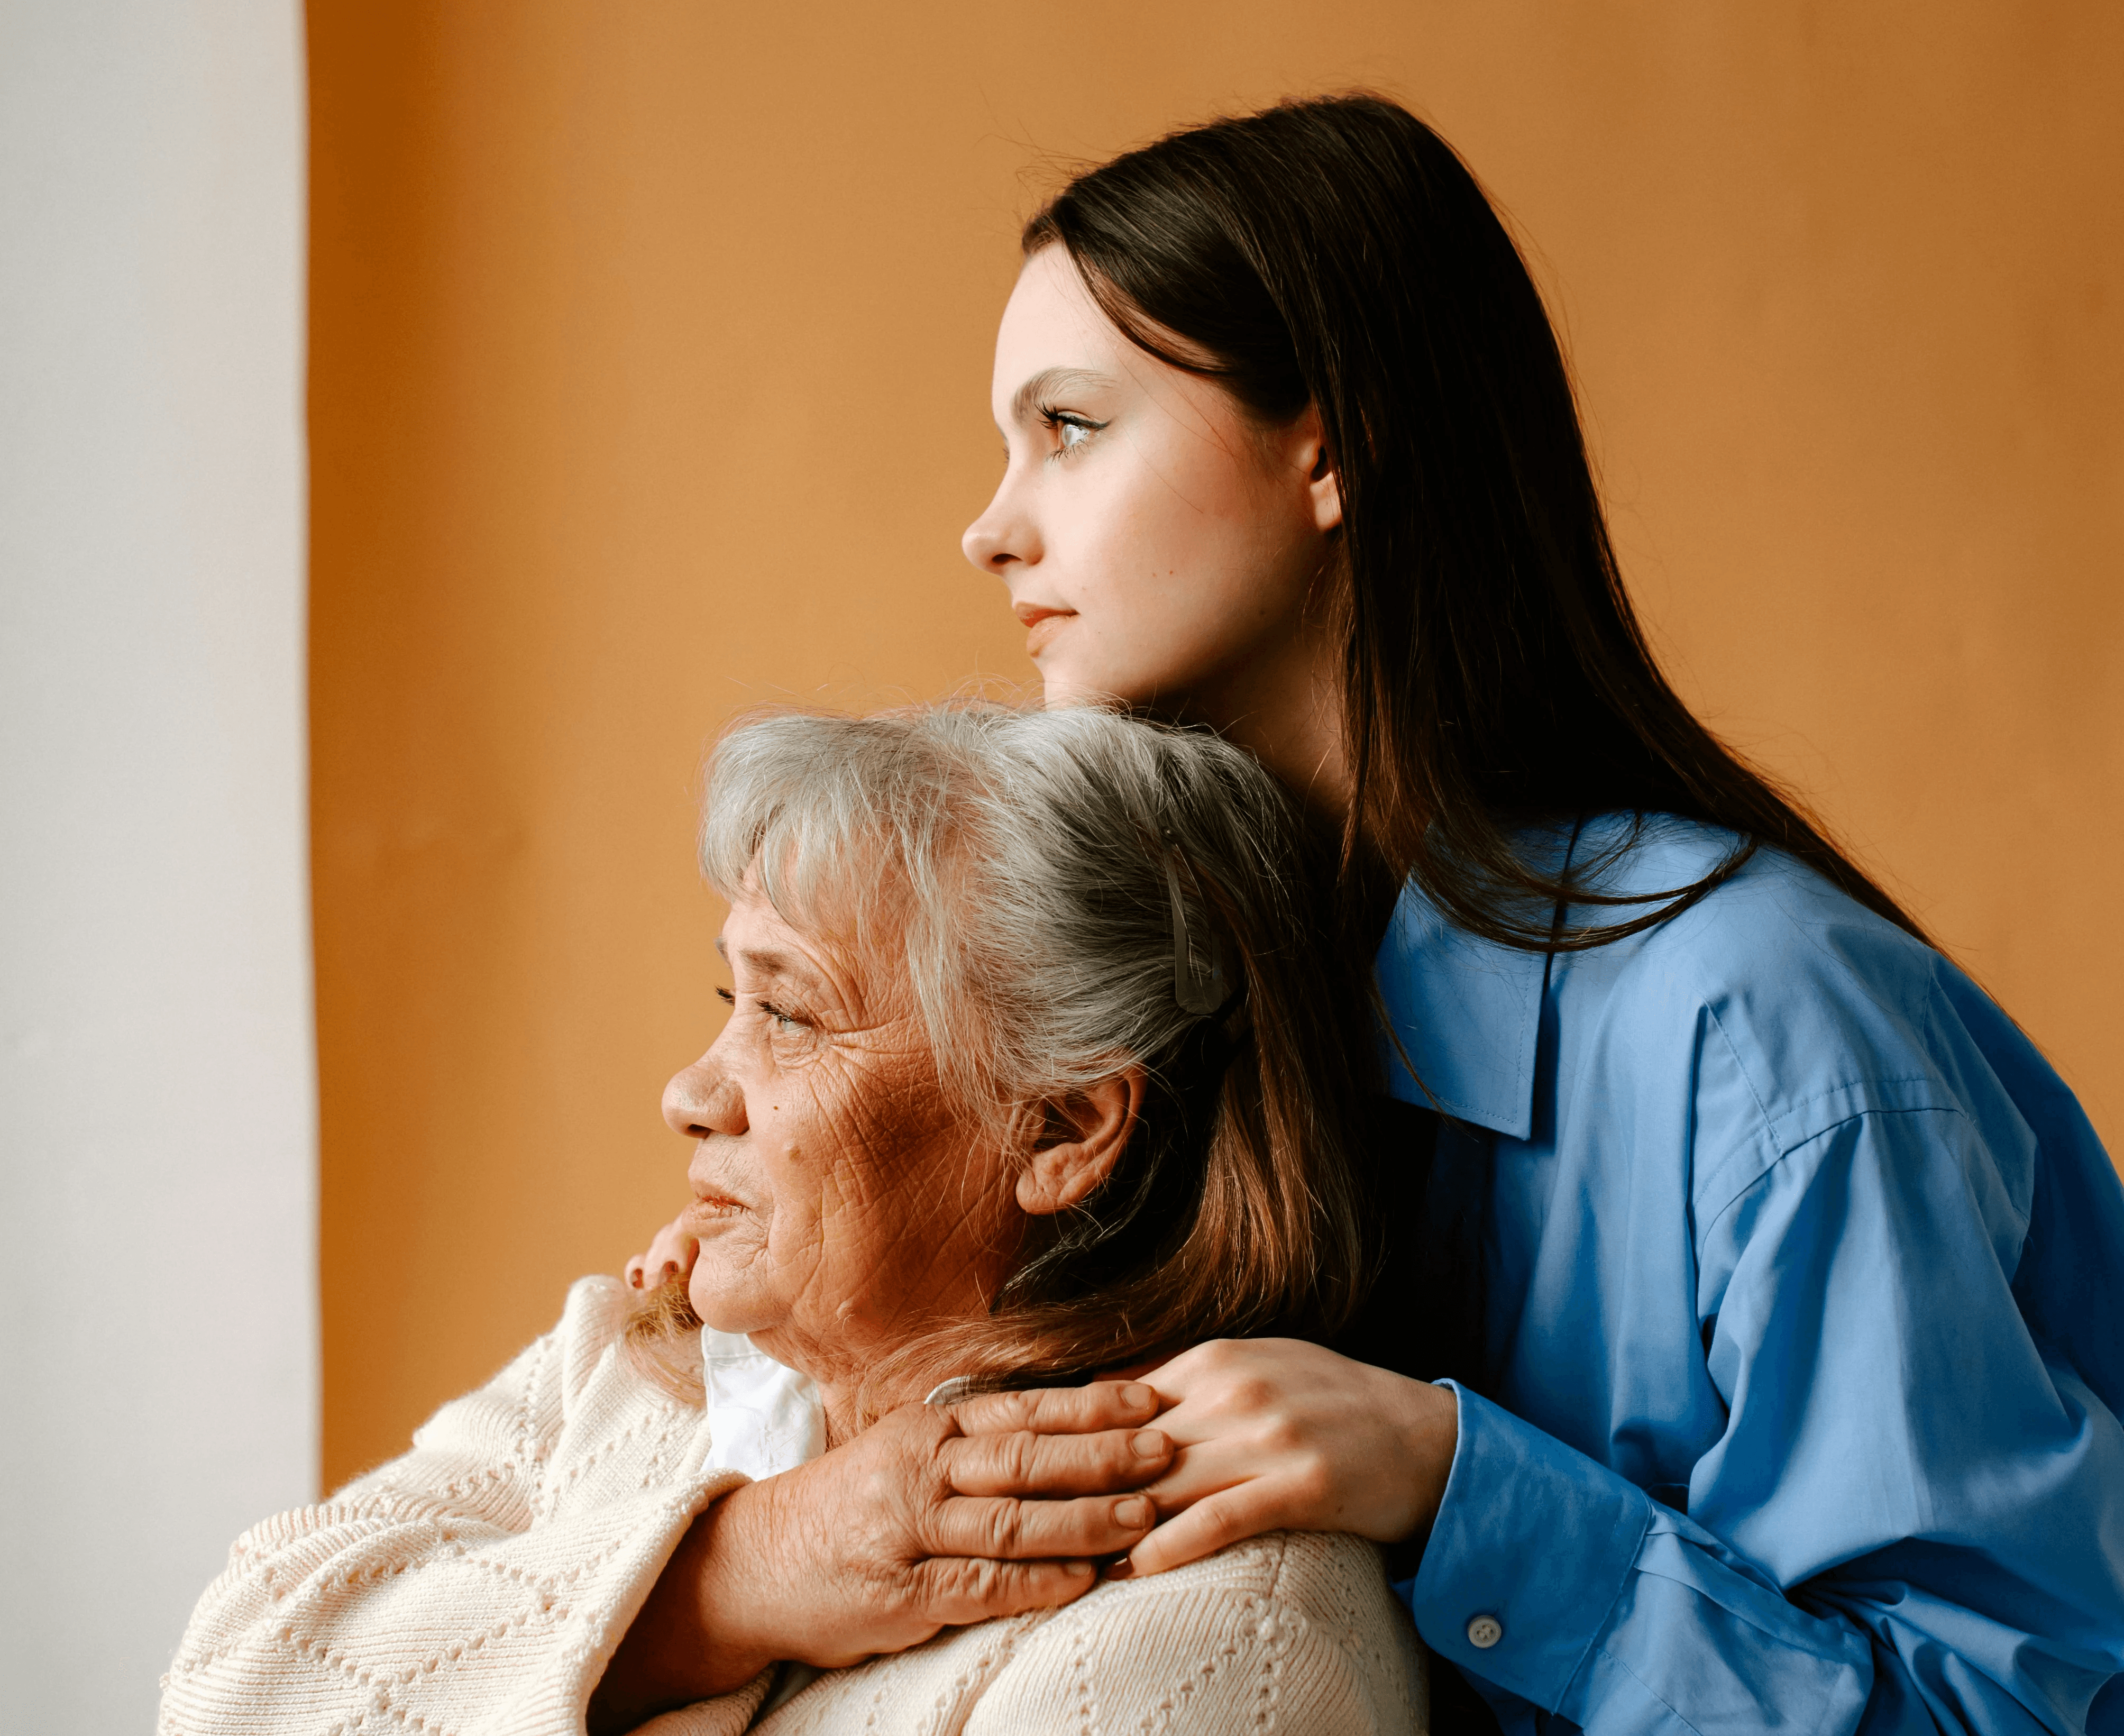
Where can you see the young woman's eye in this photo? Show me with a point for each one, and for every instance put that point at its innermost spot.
(1072, 431)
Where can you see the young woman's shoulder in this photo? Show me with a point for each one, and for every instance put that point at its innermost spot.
(1801, 1013)
(1813, 993)
(1776, 990)
(1775, 922)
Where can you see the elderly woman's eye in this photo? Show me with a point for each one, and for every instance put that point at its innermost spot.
(779, 1022)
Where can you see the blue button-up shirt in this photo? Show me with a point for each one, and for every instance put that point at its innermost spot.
(1803, 1347)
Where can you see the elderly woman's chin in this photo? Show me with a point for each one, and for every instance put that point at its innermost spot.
(726, 1304)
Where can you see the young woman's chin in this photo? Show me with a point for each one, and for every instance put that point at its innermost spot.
(1062, 685)
(1075, 674)
(1080, 667)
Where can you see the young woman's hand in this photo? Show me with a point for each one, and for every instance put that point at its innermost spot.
(1277, 1434)
(671, 1251)
(934, 1518)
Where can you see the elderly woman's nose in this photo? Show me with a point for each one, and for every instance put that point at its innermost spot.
(703, 1098)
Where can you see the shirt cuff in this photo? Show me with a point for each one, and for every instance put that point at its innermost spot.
(1533, 1544)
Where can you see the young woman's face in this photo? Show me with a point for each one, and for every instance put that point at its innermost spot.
(1159, 544)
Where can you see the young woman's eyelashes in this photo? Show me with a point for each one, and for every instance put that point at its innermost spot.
(1072, 429)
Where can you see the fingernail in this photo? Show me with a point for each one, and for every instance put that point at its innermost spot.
(1149, 1443)
(1123, 1569)
(1137, 1396)
(1134, 1512)
(1077, 1569)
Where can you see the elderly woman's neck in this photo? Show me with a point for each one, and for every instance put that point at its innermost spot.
(851, 1397)
(846, 1418)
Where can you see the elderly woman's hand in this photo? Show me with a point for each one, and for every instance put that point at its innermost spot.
(1276, 1434)
(932, 1519)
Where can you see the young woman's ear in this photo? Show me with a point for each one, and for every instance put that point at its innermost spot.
(1323, 486)
(1083, 1138)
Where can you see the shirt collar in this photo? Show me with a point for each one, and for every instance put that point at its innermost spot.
(764, 1419)
(1468, 1012)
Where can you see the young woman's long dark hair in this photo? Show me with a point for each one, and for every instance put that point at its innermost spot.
(1337, 252)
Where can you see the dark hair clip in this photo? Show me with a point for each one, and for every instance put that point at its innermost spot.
(1201, 981)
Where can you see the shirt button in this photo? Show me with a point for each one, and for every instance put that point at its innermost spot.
(1484, 1631)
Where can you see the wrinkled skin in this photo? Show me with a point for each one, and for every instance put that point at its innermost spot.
(922, 1521)
(841, 1208)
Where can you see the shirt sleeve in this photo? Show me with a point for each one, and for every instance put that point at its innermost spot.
(1913, 1521)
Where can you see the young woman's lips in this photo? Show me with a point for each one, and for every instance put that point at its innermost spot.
(1041, 624)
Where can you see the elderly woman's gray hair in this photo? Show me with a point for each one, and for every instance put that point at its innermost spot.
(1077, 891)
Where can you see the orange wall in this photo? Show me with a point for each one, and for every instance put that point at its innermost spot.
(649, 377)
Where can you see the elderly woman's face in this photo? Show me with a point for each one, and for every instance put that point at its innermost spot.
(841, 1207)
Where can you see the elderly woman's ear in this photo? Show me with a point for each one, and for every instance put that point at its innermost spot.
(1082, 1138)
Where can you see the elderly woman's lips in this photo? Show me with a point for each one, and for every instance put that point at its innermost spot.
(708, 1211)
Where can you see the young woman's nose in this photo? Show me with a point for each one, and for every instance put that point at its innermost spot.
(1003, 537)
(703, 1099)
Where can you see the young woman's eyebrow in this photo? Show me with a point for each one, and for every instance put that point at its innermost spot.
(1056, 383)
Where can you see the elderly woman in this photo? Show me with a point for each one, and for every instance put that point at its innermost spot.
(1037, 1071)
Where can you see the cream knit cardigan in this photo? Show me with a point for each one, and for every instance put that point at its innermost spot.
(481, 1583)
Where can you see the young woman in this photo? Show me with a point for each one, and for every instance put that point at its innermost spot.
(1790, 1276)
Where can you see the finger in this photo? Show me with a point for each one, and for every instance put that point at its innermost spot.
(1058, 1410)
(1000, 1530)
(1199, 1471)
(1211, 1360)
(1215, 1522)
(958, 1593)
(673, 1247)
(1025, 1464)
(1236, 1375)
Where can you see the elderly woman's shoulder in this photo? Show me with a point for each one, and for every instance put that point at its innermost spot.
(591, 1335)
(1294, 1631)
(571, 1388)
(597, 1310)
(1301, 1625)
(594, 1320)
(614, 1353)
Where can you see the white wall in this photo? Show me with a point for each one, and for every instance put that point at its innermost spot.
(158, 1366)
